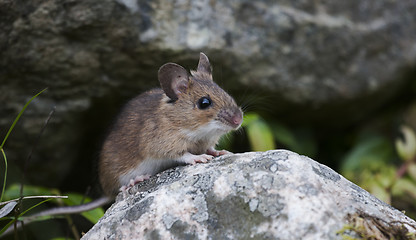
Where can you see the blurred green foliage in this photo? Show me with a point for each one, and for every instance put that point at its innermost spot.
(14, 206)
(76, 199)
(371, 164)
(16, 194)
(13, 192)
(265, 135)
(7, 136)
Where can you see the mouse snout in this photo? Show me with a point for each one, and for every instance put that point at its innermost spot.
(233, 116)
(237, 118)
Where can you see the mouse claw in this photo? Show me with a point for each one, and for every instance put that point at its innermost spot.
(123, 189)
(211, 151)
(193, 159)
(203, 158)
(138, 179)
(133, 182)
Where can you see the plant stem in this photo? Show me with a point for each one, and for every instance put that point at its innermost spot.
(31, 197)
(33, 149)
(21, 214)
(7, 136)
(18, 117)
(403, 168)
(5, 173)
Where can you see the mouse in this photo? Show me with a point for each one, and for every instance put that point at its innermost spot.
(178, 123)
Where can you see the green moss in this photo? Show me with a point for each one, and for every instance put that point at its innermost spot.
(364, 226)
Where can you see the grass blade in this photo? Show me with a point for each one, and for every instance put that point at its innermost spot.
(7, 209)
(14, 220)
(18, 117)
(5, 174)
(7, 136)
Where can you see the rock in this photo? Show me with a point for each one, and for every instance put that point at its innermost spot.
(265, 195)
(321, 59)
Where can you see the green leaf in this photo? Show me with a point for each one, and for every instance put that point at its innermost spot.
(380, 192)
(94, 215)
(259, 133)
(7, 208)
(412, 171)
(249, 118)
(369, 152)
(13, 191)
(404, 186)
(76, 199)
(283, 135)
(73, 199)
(386, 175)
(406, 148)
(23, 213)
(300, 141)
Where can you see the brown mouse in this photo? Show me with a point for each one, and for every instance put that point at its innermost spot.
(181, 122)
(164, 127)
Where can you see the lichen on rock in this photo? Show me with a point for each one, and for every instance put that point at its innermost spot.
(276, 194)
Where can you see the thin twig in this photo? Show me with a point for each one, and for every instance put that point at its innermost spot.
(72, 226)
(31, 197)
(33, 149)
(56, 212)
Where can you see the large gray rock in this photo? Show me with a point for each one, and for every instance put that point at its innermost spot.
(270, 195)
(306, 57)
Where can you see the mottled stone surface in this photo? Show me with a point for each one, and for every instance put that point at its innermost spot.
(266, 195)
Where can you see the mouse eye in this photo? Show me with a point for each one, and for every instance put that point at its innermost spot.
(204, 103)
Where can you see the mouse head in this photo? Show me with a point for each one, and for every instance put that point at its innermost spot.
(199, 102)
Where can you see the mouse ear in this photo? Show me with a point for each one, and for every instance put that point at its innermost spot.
(203, 64)
(174, 80)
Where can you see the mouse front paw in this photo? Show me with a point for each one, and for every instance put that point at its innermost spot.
(133, 182)
(213, 152)
(193, 159)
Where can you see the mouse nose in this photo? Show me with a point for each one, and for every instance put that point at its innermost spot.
(234, 117)
(237, 119)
